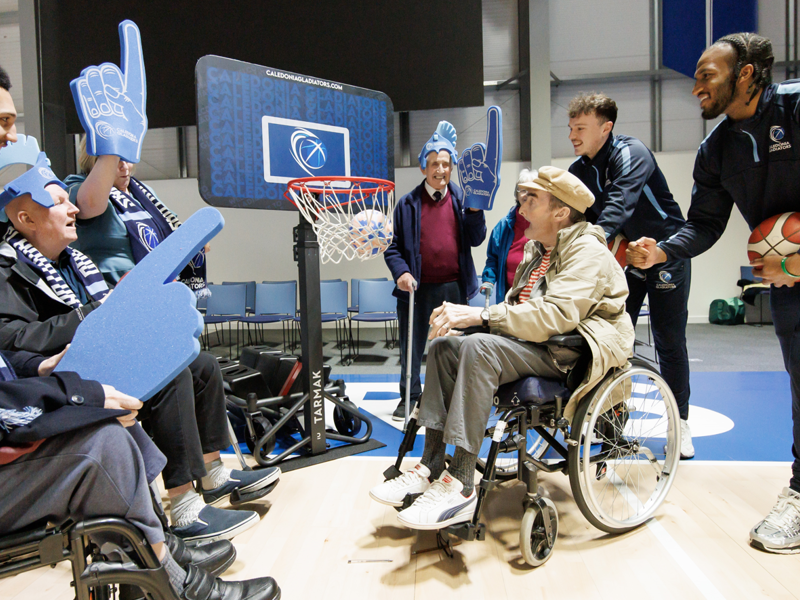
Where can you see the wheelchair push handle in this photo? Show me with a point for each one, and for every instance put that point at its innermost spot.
(487, 287)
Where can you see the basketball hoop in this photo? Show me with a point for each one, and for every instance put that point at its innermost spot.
(352, 216)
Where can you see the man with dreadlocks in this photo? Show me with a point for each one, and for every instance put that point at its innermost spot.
(748, 160)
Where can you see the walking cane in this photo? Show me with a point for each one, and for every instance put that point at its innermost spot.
(409, 347)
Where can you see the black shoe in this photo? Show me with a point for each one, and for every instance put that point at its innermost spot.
(399, 413)
(214, 557)
(199, 585)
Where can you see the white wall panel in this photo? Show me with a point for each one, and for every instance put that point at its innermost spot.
(500, 39)
(599, 36)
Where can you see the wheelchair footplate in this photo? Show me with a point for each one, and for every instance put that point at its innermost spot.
(238, 498)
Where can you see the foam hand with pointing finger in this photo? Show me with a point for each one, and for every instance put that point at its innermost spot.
(479, 167)
(146, 331)
(111, 101)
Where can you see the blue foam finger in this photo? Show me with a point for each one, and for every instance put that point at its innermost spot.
(111, 102)
(147, 330)
(479, 167)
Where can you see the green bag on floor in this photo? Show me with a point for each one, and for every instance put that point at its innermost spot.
(726, 311)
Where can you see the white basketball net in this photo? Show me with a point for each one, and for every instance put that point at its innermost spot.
(352, 218)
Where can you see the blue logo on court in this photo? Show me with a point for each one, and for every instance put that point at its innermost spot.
(308, 150)
(776, 133)
(148, 236)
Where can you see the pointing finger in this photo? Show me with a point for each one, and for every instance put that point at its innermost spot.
(494, 140)
(132, 64)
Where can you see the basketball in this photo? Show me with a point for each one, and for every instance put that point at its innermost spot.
(370, 233)
(777, 236)
(618, 246)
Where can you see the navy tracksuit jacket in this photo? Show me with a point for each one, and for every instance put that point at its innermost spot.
(632, 198)
(754, 164)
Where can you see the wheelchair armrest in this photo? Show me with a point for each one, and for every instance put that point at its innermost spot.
(570, 340)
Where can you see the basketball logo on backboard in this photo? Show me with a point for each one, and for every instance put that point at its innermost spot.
(308, 150)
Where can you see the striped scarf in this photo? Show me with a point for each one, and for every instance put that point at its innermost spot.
(537, 274)
(10, 418)
(87, 272)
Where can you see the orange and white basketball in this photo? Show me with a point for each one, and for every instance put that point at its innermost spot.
(777, 236)
(618, 246)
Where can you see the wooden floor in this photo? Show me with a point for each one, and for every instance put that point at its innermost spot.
(320, 519)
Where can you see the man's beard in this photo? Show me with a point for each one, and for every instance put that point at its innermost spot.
(722, 102)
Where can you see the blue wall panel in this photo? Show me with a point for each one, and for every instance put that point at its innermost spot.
(732, 16)
(684, 34)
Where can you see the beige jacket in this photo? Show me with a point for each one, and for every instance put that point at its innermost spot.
(584, 289)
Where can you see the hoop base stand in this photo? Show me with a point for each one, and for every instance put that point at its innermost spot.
(306, 253)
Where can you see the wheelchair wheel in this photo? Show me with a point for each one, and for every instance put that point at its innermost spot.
(628, 434)
(506, 464)
(261, 426)
(536, 539)
(346, 423)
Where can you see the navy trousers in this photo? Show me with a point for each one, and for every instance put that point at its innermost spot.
(785, 304)
(428, 297)
(667, 288)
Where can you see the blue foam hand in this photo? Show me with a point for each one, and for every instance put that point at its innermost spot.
(111, 102)
(479, 167)
(146, 331)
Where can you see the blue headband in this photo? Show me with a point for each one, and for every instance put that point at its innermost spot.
(444, 138)
(26, 151)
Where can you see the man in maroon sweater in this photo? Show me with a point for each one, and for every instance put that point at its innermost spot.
(432, 248)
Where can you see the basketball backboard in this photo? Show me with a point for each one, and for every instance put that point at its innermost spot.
(260, 127)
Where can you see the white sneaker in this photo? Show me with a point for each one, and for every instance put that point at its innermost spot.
(393, 491)
(780, 531)
(440, 506)
(687, 449)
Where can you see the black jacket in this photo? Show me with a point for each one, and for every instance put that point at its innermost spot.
(753, 163)
(32, 317)
(68, 401)
(631, 195)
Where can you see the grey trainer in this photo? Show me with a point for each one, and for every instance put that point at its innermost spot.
(780, 531)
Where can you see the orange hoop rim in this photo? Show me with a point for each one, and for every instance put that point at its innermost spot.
(307, 183)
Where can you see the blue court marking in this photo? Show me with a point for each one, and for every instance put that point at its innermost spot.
(382, 395)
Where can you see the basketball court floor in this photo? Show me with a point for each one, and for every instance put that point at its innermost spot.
(322, 537)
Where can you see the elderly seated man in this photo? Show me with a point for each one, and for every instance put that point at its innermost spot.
(70, 448)
(567, 281)
(47, 289)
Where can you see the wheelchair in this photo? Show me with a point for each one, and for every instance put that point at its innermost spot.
(41, 545)
(621, 450)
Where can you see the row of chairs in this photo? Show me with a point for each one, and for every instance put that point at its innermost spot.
(371, 300)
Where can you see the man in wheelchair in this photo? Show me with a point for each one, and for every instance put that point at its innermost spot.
(71, 449)
(568, 281)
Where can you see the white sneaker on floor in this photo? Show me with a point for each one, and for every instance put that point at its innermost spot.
(780, 531)
(687, 449)
(393, 491)
(441, 505)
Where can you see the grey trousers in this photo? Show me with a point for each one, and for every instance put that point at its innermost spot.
(463, 373)
(93, 472)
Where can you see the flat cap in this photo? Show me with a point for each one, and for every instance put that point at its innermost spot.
(563, 185)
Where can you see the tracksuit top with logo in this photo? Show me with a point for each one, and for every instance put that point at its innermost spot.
(631, 195)
(753, 163)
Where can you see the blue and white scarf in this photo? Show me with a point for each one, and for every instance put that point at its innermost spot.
(149, 223)
(86, 271)
(9, 417)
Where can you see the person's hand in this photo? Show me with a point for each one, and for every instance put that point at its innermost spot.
(116, 400)
(479, 166)
(449, 318)
(207, 248)
(406, 282)
(111, 102)
(48, 364)
(643, 253)
(770, 271)
(146, 331)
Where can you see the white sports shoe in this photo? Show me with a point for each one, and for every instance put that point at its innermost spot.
(687, 449)
(440, 506)
(780, 531)
(393, 491)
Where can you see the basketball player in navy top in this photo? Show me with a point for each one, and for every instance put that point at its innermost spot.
(632, 198)
(749, 160)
